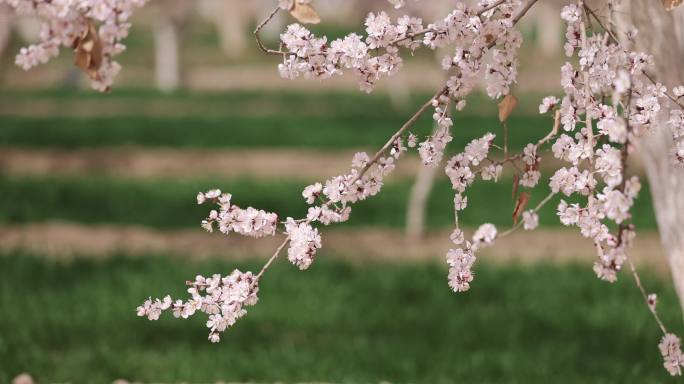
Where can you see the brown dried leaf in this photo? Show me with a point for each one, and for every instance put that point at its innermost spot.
(304, 13)
(506, 107)
(516, 181)
(88, 51)
(671, 4)
(520, 206)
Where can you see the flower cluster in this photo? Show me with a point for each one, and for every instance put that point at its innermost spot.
(304, 241)
(223, 299)
(231, 218)
(671, 350)
(468, 33)
(608, 101)
(676, 125)
(69, 23)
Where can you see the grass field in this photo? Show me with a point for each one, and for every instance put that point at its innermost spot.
(336, 322)
(237, 120)
(171, 203)
(298, 120)
(340, 321)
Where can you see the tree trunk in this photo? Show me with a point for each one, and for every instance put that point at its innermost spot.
(5, 27)
(167, 59)
(417, 204)
(661, 34)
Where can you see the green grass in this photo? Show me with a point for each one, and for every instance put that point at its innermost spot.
(243, 131)
(336, 322)
(170, 204)
(238, 119)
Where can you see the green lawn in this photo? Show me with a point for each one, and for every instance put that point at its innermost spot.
(170, 204)
(336, 322)
(241, 119)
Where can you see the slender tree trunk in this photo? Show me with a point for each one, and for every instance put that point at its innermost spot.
(417, 204)
(661, 34)
(167, 59)
(5, 28)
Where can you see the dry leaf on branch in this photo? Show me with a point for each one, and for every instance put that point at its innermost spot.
(506, 107)
(516, 181)
(671, 4)
(88, 51)
(304, 12)
(520, 205)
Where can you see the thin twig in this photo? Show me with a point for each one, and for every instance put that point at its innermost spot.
(600, 23)
(258, 30)
(523, 11)
(398, 133)
(637, 280)
(272, 258)
(667, 93)
(489, 7)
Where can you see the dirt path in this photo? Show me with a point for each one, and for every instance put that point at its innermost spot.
(139, 163)
(63, 240)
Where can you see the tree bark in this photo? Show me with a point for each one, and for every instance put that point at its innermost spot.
(417, 204)
(167, 60)
(661, 34)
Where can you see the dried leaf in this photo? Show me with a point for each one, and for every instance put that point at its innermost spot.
(304, 13)
(506, 107)
(671, 4)
(520, 205)
(516, 181)
(88, 51)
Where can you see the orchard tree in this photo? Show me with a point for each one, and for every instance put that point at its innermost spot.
(621, 93)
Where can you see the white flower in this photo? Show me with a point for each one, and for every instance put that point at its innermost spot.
(312, 192)
(548, 103)
(609, 165)
(671, 351)
(530, 220)
(491, 172)
(360, 160)
(460, 261)
(304, 241)
(484, 235)
(460, 202)
(457, 236)
(397, 3)
(678, 91)
(530, 154)
(530, 178)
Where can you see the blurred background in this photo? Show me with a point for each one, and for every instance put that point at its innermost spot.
(98, 212)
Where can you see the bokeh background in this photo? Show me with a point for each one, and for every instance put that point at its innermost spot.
(98, 212)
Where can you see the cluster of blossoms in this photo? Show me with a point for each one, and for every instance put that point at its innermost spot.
(231, 218)
(607, 89)
(469, 33)
(222, 298)
(607, 70)
(71, 23)
(676, 125)
(673, 357)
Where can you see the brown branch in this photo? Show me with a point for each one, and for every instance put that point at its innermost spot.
(637, 281)
(272, 258)
(258, 37)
